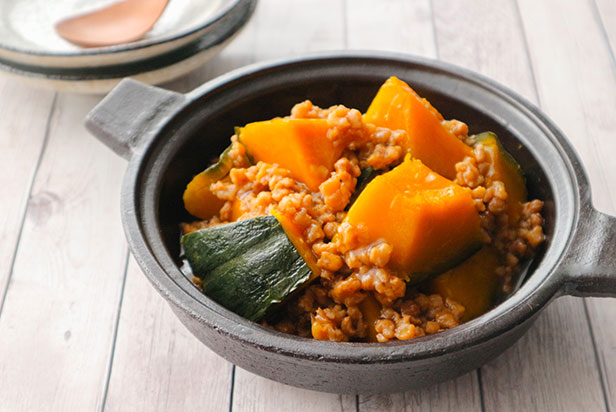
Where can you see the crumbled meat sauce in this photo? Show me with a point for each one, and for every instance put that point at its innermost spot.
(351, 269)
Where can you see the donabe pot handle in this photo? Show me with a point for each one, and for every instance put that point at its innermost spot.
(128, 116)
(589, 267)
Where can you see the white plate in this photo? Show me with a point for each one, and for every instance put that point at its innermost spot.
(27, 34)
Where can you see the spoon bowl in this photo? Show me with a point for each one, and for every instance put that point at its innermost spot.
(121, 22)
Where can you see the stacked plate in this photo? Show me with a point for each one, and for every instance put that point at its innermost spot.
(187, 35)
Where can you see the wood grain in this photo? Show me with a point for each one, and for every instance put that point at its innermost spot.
(461, 394)
(313, 30)
(240, 52)
(582, 99)
(59, 316)
(58, 320)
(406, 27)
(158, 365)
(24, 115)
(301, 27)
(494, 44)
(546, 370)
(576, 84)
(256, 394)
(290, 28)
(543, 361)
(605, 16)
(602, 313)
(485, 36)
(393, 25)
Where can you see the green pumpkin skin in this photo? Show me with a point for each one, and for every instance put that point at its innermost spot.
(247, 266)
(363, 179)
(199, 201)
(504, 168)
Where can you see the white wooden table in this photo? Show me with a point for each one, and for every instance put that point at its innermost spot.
(82, 330)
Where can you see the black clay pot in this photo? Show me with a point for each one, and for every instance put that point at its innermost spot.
(169, 137)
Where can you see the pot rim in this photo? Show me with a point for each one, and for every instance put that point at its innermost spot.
(544, 285)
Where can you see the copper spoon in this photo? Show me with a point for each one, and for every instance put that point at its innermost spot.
(121, 22)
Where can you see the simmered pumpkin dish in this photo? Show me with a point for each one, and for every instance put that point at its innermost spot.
(343, 226)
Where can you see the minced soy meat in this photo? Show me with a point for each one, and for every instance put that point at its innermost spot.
(352, 270)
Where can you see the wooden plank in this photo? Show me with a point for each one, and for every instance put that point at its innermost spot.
(552, 368)
(301, 26)
(395, 25)
(290, 28)
(59, 315)
(24, 115)
(237, 53)
(555, 361)
(56, 329)
(243, 50)
(406, 27)
(589, 88)
(256, 394)
(605, 17)
(158, 365)
(185, 348)
(485, 37)
(180, 349)
(461, 394)
(315, 28)
(576, 84)
(602, 313)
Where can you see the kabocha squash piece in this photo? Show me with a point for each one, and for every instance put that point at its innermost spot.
(246, 266)
(430, 222)
(199, 201)
(507, 170)
(370, 309)
(474, 283)
(398, 107)
(295, 235)
(299, 145)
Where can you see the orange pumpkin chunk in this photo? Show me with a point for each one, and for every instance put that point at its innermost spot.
(371, 310)
(299, 145)
(198, 199)
(398, 107)
(430, 222)
(505, 169)
(295, 235)
(474, 283)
